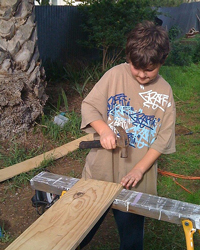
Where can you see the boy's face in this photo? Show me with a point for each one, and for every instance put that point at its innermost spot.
(145, 76)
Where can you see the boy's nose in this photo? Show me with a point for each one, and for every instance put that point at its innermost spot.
(141, 74)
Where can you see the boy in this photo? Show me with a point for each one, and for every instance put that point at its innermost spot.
(134, 96)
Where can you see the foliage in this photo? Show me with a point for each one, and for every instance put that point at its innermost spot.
(70, 2)
(65, 100)
(53, 70)
(17, 154)
(184, 51)
(6, 237)
(196, 54)
(184, 80)
(80, 75)
(61, 135)
(167, 3)
(181, 54)
(174, 32)
(24, 178)
(43, 2)
(107, 22)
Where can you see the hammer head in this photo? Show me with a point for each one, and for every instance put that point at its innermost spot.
(122, 141)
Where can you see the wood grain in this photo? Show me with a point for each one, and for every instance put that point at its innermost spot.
(67, 222)
(35, 162)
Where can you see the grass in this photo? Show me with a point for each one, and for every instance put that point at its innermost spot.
(186, 160)
(6, 237)
(61, 135)
(184, 81)
(159, 235)
(16, 153)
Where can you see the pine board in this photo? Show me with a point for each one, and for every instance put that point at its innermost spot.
(25, 166)
(67, 222)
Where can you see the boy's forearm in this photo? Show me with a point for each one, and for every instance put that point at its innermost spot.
(148, 160)
(100, 126)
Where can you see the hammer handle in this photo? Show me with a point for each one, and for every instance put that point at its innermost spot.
(90, 144)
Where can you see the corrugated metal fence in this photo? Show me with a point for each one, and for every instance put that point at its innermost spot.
(58, 29)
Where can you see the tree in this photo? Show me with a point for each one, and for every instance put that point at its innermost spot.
(22, 79)
(43, 2)
(108, 21)
(167, 3)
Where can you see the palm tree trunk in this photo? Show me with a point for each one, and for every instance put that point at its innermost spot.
(22, 79)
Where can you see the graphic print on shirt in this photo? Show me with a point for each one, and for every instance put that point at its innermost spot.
(155, 100)
(141, 128)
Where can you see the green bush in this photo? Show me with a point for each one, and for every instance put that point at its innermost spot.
(181, 54)
(107, 22)
(174, 32)
(196, 54)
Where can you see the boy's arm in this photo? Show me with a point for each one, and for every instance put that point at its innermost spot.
(136, 174)
(107, 136)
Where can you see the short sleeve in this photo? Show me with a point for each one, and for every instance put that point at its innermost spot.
(165, 140)
(94, 106)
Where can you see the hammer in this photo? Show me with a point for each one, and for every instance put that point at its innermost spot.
(121, 142)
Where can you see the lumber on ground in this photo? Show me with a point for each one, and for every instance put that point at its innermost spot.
(156, 207)
(25, 166)
(66, 223)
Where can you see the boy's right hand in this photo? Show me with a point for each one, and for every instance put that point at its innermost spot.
(107, 136)
(108, 139)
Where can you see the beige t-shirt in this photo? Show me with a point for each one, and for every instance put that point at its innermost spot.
(146, 112)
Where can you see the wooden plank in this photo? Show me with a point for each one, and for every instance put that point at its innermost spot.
(156, 207)
(34, 162)
(68, 221)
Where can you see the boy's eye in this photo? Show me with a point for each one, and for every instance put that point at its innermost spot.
(150, 70)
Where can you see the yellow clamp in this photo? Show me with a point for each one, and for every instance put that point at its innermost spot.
(63, 192)
(189, 231)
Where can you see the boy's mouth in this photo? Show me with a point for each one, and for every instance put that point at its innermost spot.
(142, 80)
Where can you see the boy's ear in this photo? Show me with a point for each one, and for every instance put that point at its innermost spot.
(164, 58)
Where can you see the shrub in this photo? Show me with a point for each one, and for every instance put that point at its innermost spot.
(107, 23)
(174, 32)
(181, 54)
(196, 54)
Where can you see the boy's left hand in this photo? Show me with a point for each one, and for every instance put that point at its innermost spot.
(136, 174)
(132, 178)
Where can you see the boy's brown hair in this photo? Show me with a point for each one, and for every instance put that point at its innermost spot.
(147, 45)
